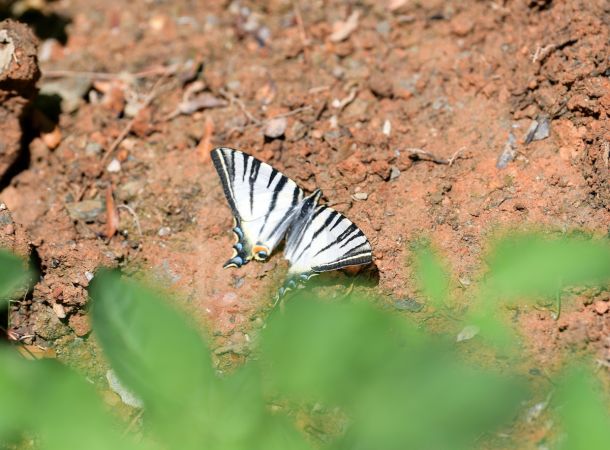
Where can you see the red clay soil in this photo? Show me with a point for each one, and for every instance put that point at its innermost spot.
(414, 109)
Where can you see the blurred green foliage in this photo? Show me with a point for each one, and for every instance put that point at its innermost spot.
(527, 265)
(13, 274)
(432, 275)
(384, 383)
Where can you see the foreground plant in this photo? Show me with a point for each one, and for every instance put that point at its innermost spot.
(378, 381)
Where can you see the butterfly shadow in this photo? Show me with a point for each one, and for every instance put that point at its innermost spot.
(340, 283)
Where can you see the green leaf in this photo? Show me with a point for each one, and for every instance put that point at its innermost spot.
(327, 350)
(530, 265)
(398, 388)
(437, 404)
(432, 276)
(156, 352)
(162, 358)
(241, 419)
(582, 408)
(52, 403)
(13, 274)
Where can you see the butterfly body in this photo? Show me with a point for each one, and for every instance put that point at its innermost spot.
(268, 207)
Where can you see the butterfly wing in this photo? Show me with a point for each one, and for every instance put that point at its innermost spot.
(325, 240)
(262, 200)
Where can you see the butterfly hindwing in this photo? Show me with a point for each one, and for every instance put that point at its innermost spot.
(262, 199)
(326, 240)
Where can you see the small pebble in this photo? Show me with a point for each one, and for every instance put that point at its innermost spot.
(275, 128)
(387, 128)
(3, 206)
(394, 173)
(59, 310)
(86, 210)
(343, 29)
(467, 333)
(114, 166)
(464, 281)
(408, 304)
(89, 276)
(93, 149)
(538, 130)
(601, 307)
(383, 28)
(508, 152)
(338, 72)
(360, 196)
(164, 231)
(45, 49)
(534, 412)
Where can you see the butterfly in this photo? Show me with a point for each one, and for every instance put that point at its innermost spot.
(267, 207)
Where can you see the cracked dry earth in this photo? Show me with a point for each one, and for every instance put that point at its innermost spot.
(402, 121)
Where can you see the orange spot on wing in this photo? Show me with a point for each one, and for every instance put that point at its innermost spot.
(260, 248)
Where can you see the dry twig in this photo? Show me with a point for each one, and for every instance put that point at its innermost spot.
(425, 155)
(147, 101)
(296, 5)
(233, 99)
(148, 73)
(340, 104)
(289, 113)
(112, 214)
(136, 417)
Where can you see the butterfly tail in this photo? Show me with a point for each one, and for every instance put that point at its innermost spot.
(292, 283)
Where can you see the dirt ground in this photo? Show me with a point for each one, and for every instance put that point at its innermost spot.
(412, 117)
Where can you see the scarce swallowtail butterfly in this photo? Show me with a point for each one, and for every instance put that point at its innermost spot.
(268, 207)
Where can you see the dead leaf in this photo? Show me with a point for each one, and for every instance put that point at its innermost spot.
(195, 99)
(203, 100)
(59, 310)
(205, 144)
(112, 214)
(342, 30)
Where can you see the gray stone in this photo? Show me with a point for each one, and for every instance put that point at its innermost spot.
(87, 210)
(71, 90)
(93, 149)
(408, 304)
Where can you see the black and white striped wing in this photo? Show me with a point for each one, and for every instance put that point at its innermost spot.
(325, 240)
(262, 199)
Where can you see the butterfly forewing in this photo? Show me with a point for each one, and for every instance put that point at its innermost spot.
(327, 241)
(262, 199)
